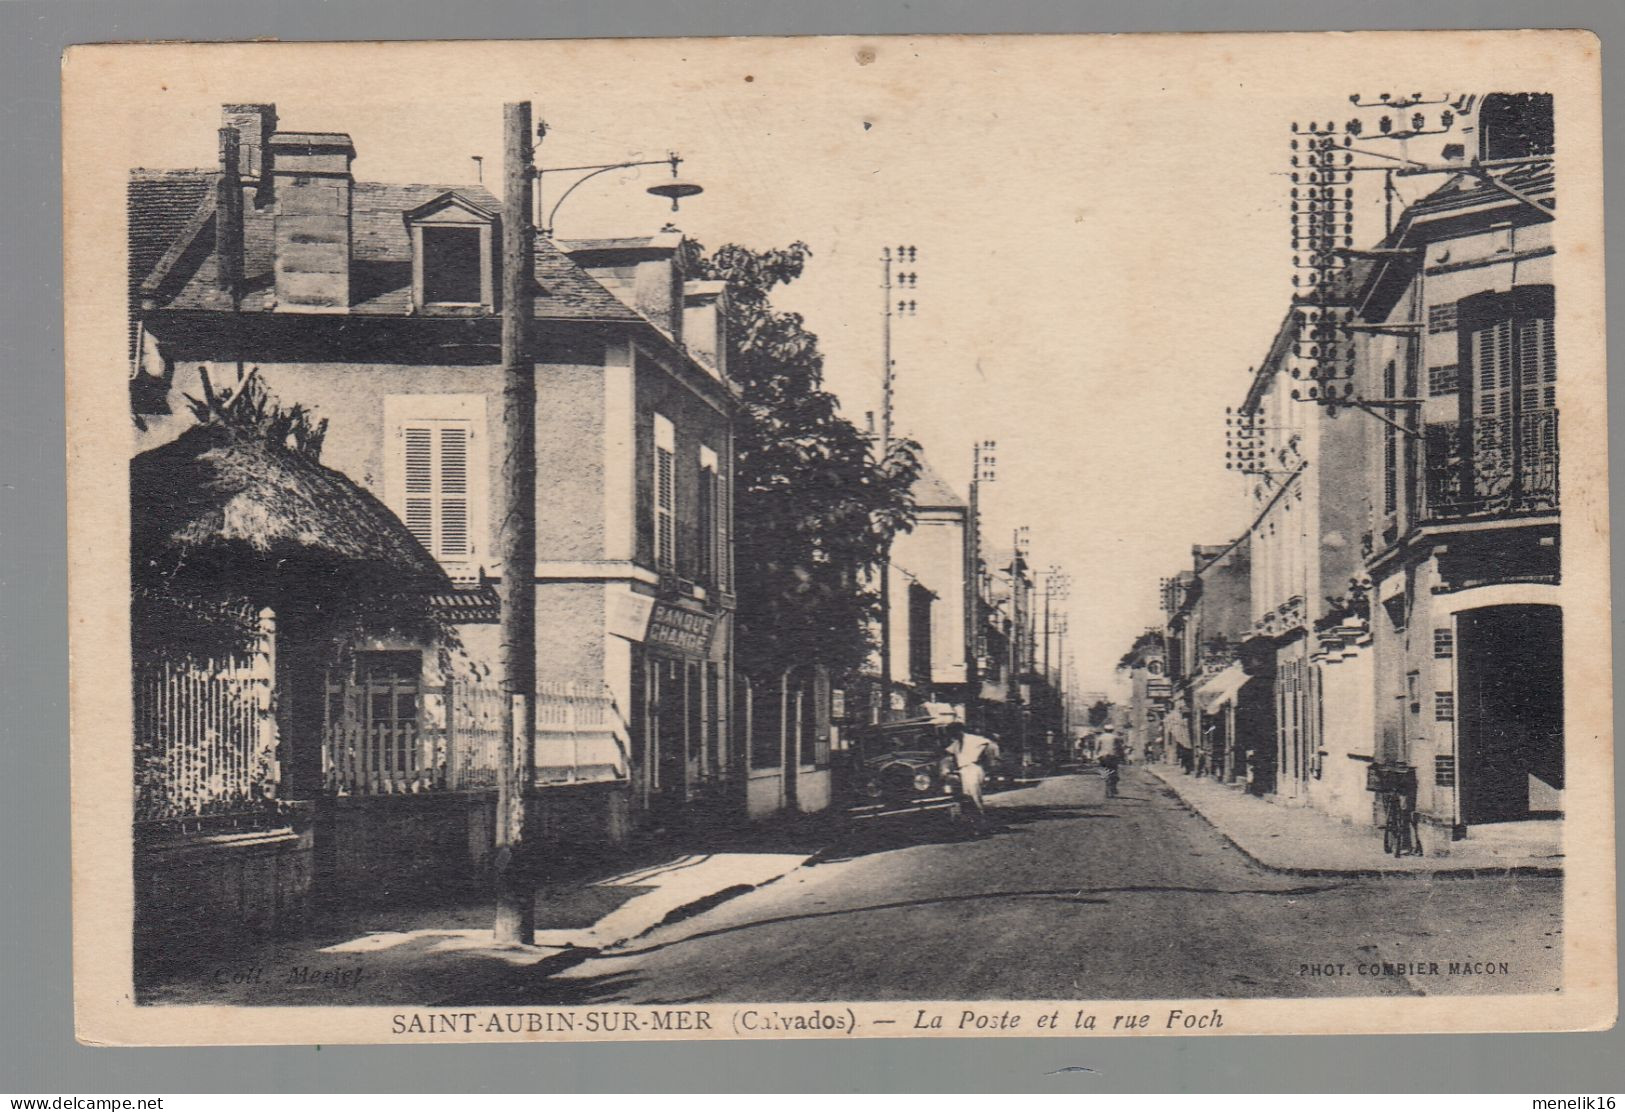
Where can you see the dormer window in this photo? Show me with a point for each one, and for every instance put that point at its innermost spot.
(451, 266)
(453, 260)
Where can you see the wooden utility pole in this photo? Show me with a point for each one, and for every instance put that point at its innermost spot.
(905, 254)
(886, 373)
(515, 879)
(981, 471)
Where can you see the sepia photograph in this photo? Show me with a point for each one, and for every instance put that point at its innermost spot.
(791, 538)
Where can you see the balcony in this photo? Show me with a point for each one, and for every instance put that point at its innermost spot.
(1504, 466)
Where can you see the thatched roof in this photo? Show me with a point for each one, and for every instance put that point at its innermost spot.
(224, 498)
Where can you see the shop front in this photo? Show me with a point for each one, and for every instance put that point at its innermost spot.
(679, 687)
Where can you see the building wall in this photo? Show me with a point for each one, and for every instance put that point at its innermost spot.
(571, 508)
(934, 552)
(1416, 691)
(1343, 664)
(697, 423)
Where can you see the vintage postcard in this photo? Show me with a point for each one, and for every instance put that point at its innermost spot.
(813, 538)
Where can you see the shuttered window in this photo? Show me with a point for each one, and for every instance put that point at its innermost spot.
(437, 486)
(665, 494)
(1509, 415)
(434, 477)
(708, 526)
(1492, 362)
(1390, 449)
(713, 518)
(725, 517)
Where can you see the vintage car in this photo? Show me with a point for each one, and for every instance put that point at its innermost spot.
(902, 765)
(907, 775)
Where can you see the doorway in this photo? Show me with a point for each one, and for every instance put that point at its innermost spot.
(1510, 679)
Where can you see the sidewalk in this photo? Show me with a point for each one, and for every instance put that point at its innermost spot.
(446, 954)
(1304, 842)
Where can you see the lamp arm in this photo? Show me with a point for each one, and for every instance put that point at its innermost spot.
(554, 211)
(594, 171)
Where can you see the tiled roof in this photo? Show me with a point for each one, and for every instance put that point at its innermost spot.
(931, 492)
(161, 204)
(1535, 179)
(468, 605)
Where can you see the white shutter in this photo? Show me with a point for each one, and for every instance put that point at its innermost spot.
(453, 491)
(725, 517)
(1492, 356)
(711, 568)
(665, 494)
(418, 446)
(434, 472)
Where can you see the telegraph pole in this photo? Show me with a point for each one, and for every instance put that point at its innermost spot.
(1018, 634)
(1057, 587)
(982, 470)
(515, 881)
(888, 368)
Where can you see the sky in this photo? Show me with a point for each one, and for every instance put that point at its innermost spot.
(1101, 227)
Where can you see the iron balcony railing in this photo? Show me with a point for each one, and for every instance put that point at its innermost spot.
(1492, 466)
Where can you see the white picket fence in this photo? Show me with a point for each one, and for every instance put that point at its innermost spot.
(205, 732)
(580, 737)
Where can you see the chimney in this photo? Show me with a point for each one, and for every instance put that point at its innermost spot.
(705, 323)
(657, 288)
(311, 172)
(228, 218)
(255, 124)
(643, 272)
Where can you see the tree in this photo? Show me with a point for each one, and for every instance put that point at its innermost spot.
(815, 509)
(1150, 639)
(1100, 713)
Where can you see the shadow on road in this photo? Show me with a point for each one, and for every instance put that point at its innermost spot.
(926, 828)
(541, 985)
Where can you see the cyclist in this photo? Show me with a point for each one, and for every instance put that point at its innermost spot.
(1110, 762)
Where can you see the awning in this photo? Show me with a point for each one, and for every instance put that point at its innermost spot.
(1220, 688)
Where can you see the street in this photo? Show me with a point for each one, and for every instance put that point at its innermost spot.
(1070, 895)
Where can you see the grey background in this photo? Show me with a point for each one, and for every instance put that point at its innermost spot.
(37, 1053)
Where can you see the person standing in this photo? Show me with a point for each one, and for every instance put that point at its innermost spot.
(969, 753)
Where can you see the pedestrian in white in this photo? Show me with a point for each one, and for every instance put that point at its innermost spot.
(968, 752)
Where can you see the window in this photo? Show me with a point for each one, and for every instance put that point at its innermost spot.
(919, 634)
(1507, 455)
(386, 712)
(436, 473)
(725, 512)
(715, 693)
(1444, 770)
(1444, 706)
(1442, 318)
(665, 495)
(710, 518)
(755, 715)
(1444, 644)
(453, 265)
(1390, 448)
(1442, 380)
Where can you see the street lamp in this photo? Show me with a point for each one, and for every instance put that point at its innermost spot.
(674, 190)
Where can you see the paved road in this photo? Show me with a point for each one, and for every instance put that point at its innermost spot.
(1075, 896)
